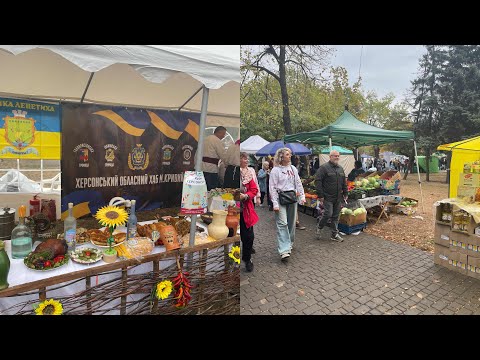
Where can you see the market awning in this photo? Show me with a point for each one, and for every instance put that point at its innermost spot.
(472, 144)
(347, 130)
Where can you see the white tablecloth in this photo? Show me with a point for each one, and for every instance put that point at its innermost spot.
(20, 274)
(370, 202)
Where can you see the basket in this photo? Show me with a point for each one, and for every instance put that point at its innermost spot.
(351, 229)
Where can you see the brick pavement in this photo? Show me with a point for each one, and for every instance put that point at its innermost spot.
(362, 275)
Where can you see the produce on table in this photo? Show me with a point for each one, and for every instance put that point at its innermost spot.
(347, 211)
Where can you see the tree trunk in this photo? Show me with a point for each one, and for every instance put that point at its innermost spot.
(287, 124)
(376, 150)
(427, 160)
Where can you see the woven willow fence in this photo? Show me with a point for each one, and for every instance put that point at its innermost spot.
(214, 276)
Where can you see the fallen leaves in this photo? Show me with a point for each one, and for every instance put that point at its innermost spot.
(404, 229)
(420, 295)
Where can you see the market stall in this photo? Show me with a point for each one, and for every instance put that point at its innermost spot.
(350, 132)
(124, 287)
(180, 78)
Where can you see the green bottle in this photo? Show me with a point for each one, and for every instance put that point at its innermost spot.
(4, 266)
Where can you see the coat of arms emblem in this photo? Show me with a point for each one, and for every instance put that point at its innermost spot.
(19, 130)
(138, 159)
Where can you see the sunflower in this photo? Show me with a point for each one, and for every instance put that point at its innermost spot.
(227, 196)
(49, 307)
(235, 254)
(111, 216)
(164, 289)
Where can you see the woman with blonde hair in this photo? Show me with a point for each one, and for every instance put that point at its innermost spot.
(286, 191)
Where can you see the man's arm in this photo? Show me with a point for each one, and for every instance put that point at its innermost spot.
(319, 175)
(220, 150)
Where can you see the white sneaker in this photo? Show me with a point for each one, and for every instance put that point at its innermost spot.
(285, 257)
(337, 238)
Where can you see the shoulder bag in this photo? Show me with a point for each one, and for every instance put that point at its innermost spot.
(290, 196)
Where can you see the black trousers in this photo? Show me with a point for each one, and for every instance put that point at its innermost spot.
(211, 179)
(247, 236)
(232, 177)
(262, 196)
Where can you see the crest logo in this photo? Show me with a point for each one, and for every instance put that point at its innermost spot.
(19, 130)
(109, 155)
(167, 154)
(83, 155)
(83, 151)
(138, 159)
(187, 154)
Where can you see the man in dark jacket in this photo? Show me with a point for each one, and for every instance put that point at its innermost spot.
(331, 190)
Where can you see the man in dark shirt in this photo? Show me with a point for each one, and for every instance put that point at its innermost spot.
(355, 172)
(331, 190)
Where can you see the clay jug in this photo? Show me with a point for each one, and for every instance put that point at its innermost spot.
(168, 235)
(218, 228)
(4, 266)
(232, 221)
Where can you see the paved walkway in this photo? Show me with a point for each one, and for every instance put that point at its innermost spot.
(362, 275)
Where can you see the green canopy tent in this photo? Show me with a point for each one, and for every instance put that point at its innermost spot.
(347, 130)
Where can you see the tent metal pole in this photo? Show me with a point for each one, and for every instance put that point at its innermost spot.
(418, 172)
(198, 162)
(330, 142)
(190, 98)
(86, 89)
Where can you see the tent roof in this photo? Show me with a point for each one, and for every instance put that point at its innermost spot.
(472, 144)
(348, 130)
(326, 150)
(253, 144)
(154, 76)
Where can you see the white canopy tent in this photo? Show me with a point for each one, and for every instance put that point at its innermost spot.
(154, 76)
(253, 144)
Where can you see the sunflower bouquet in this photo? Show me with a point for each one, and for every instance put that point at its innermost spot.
(111, 217)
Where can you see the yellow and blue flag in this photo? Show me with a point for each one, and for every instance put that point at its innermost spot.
(29, 129)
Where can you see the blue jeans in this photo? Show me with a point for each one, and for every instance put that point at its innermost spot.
(285, 220)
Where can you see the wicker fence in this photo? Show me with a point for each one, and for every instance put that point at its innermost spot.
(213, 274)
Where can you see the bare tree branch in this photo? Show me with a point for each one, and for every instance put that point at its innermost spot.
(266, 70)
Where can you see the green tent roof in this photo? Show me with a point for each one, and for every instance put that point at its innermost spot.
(347, 130)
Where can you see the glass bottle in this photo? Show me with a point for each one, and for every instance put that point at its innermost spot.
(132, 222)
(70, 229)
(21, 236)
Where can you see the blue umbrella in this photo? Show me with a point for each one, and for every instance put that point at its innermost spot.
(271, 149)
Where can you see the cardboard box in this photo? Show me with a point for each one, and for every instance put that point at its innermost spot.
(442, 235)
(473, 267)
(472, 193)
(458, 262)
(464, 243)
(441, 255)
(467, 228)
(469, 179)
(440, 210)
(351, 220)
